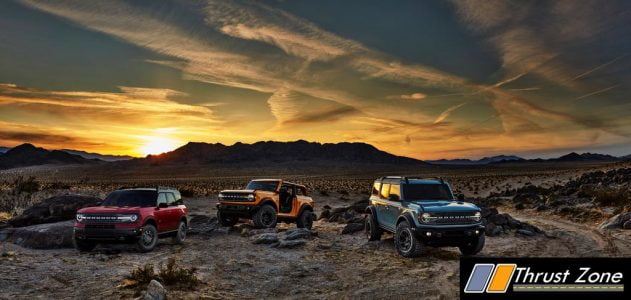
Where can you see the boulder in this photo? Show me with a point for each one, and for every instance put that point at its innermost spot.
(525, 232)
(299, 233)
(512, 222)
(41, 236)
(352, 228)
(499, 219)
(616, 221)
(200, 224)
(325, 214)
(492, 229)
(155, 291)
(359, 206)
(265, 238)
(488, 211)
(55, 209)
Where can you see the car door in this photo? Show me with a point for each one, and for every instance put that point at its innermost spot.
(383, 209)
(173, 215)
(162, 214)
(393, 204)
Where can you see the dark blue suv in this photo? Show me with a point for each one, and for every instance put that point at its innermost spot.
(422, 212)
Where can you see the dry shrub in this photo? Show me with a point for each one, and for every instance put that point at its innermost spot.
(28, 185)
(171, 275)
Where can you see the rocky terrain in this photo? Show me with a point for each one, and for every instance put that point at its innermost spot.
(526, 214)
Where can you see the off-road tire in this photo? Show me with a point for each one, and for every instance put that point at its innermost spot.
(474, 247)
(180, 235)
(148, 238)
(226, 220)
(83, 246)
(265, 217)
(406, 242)
(305, 220)
(372, 229)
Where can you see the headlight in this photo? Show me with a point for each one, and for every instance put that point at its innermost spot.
(220, 195)
(80, 218)
(127, 218)
(426, 217)
(251, 197)
(477, 216)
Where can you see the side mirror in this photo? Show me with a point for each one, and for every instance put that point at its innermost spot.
(460, 197)
(163, 205)
(394, 198)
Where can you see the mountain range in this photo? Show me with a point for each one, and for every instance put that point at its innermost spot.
(103, 157)
(483, 161)
(264, 154)
(279, 152)
(28, 155)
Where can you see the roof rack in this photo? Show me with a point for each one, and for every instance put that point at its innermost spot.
(407, 178)
(165, 188)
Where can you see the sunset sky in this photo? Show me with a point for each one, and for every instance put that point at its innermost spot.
(426, 79)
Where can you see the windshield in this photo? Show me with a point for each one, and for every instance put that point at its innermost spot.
(427, 192)
(269, 186)
(131, 198)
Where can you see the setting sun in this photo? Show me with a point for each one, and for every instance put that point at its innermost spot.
(157, 145)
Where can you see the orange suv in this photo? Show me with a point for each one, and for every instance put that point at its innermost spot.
(265, 202)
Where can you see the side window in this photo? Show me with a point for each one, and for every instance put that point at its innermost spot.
(170, 199)
(395, 189)
(300, 191)
(375, 188)
(162, 198)
(385, 190)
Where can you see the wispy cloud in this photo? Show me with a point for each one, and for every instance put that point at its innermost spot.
(445, 114)
(597, 92)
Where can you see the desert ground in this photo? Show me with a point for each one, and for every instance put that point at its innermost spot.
(329, 265)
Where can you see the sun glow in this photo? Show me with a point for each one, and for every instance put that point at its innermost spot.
(157, 145)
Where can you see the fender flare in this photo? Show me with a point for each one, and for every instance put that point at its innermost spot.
(407, 216)
(305, 207)
(267, 201)
(371, 210)
(150, 220)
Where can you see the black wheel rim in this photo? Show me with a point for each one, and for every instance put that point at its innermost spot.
(267, 218)
(147, 237)
(405, 241)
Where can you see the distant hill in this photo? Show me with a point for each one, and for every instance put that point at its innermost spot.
(483, 161)
(268, 153)
(103, 157)
(573, 156)
(4, 149)
(28, 155)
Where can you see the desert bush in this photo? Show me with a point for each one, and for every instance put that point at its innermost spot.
(171, 275)
(28, 185)
(612, 196)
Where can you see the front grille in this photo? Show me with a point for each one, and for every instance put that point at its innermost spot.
(100, 226)
(100, 219)
(453, 218)
(234, 197)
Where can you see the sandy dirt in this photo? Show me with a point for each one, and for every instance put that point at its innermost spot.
(330, 266)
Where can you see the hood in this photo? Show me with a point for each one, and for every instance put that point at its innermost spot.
(446, 206)
(238, 191)
(109, 210)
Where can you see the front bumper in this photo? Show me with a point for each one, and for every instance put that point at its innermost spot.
(241, 210)
(449, 235)
(107, 234)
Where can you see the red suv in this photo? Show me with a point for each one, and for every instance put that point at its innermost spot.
(138, 215)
